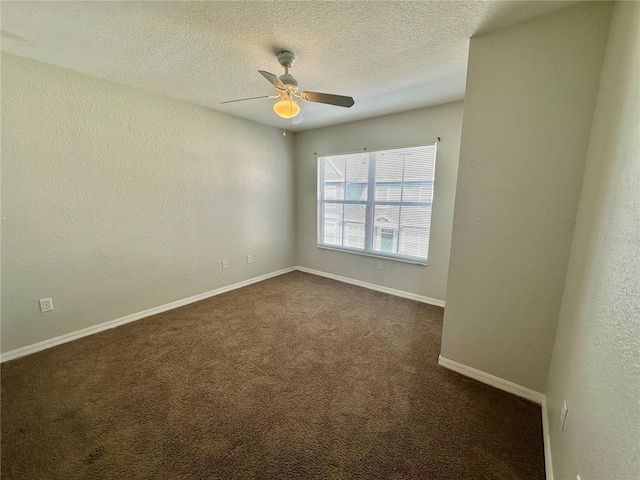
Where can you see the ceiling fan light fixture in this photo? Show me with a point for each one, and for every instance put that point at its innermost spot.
(286, 108)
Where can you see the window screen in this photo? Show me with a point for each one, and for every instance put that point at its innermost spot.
(378, 203)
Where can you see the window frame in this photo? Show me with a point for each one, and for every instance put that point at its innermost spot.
(370, 203)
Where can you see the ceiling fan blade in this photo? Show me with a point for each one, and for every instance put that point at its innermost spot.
(328, 98)
(275, 81)
(250, 98)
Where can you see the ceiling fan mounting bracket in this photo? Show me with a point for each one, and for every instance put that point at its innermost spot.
(286, 58)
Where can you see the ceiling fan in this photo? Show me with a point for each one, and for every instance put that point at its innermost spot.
(287, 87)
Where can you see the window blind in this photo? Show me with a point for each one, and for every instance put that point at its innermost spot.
(377, 202)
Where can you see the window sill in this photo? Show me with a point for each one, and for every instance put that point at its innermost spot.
(395, 258)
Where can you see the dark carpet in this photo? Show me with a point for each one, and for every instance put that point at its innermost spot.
(296, 377)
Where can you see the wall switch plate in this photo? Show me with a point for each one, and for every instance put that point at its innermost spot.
(248, 258)
(46, 305)
(563, 415)
(224, 264)
(379, 265)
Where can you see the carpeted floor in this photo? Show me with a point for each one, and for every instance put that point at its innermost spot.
(296, 377)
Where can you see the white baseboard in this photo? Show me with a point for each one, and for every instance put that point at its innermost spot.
(492, 380)
(52, 342)
(548, 465)
(373, 286)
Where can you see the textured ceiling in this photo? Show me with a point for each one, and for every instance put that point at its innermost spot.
(390, 56)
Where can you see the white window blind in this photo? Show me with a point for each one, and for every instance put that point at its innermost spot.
(377, 203)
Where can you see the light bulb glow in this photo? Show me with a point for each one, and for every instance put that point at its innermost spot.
(286, 108)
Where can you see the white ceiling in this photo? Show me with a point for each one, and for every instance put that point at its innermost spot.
(390, 56)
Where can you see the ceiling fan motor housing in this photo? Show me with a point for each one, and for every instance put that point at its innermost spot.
(289, 81)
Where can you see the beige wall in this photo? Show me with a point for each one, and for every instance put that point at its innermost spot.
(406, 129)
(596, 359)
(529, 102)
(116, 200)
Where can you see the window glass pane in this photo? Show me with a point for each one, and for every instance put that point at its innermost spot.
(334, 178)
(414, 230)
(357, 174)
(418, 164)
(388, 176)
(332, 223)
(385, 228)
(417, 192)
(354, 225)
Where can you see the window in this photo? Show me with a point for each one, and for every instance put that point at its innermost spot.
(377, 203)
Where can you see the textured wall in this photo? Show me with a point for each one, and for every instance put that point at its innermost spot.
(405, 129)
(531, 91)
(596, 359)
(115, 200)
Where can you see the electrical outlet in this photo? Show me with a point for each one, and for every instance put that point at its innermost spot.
(379, 265)
(224, 264)
(248, 258)
(46, 305)
(563, 415)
